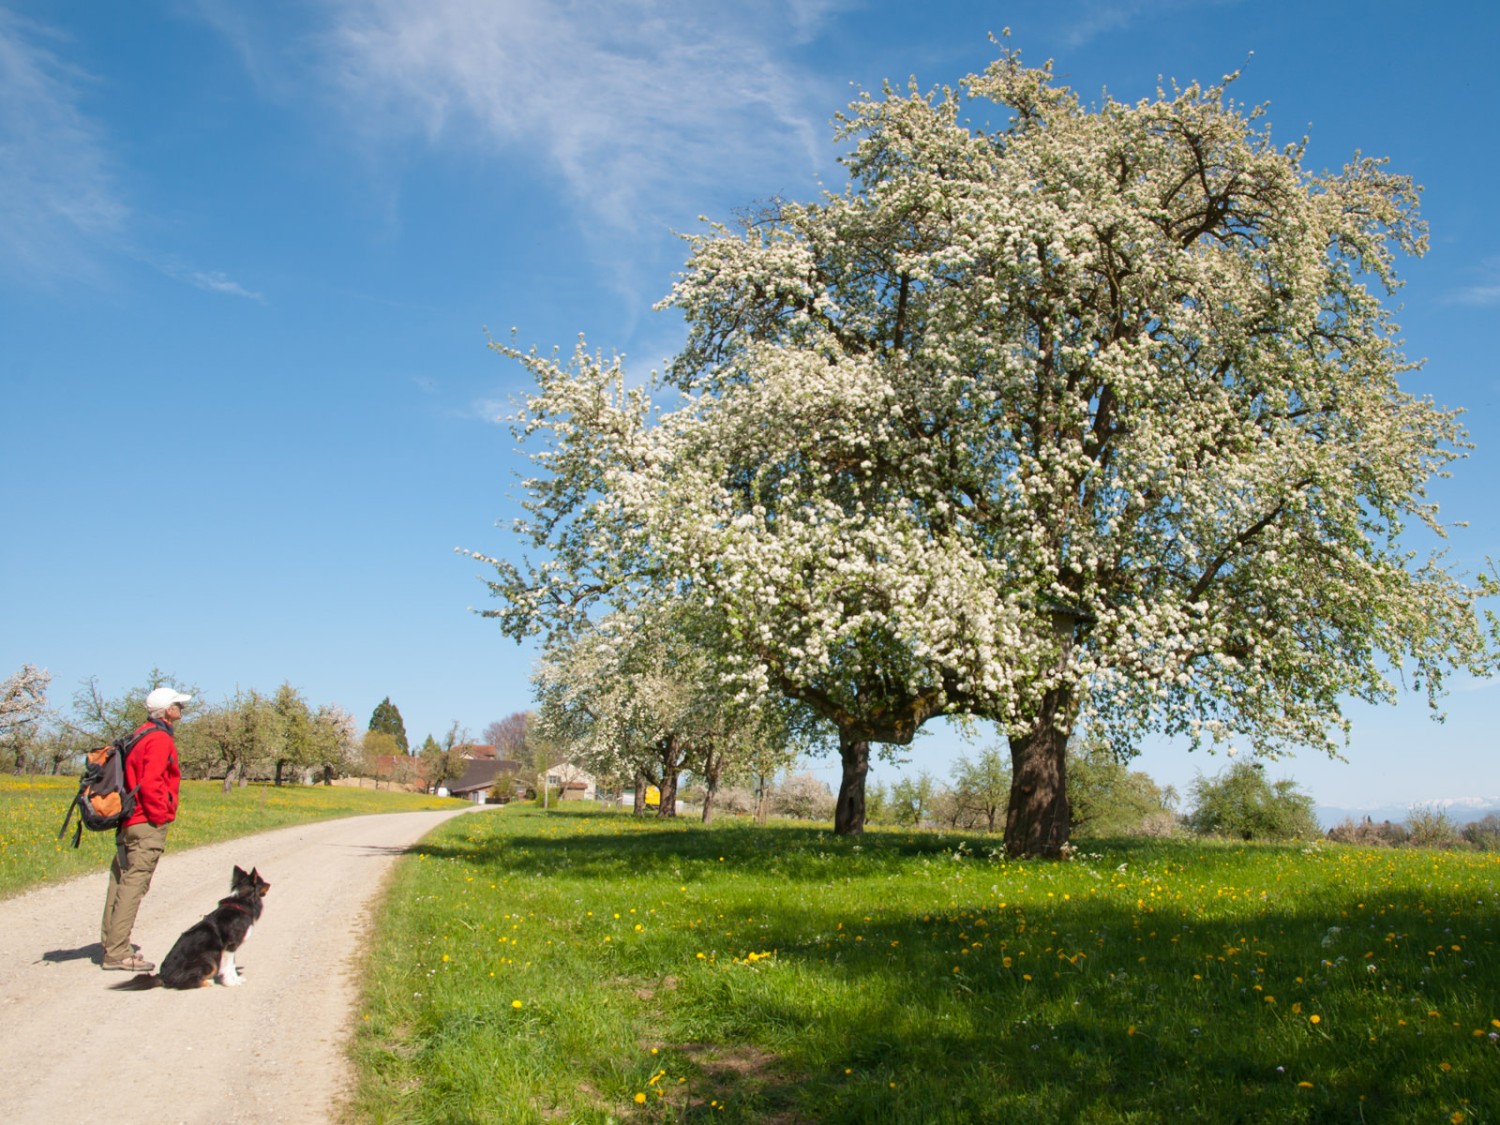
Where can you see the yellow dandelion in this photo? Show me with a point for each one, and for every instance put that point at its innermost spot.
(1314, 1018)
(515, 1003)
(640, 1099)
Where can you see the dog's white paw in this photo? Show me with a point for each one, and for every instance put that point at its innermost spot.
(230, 982)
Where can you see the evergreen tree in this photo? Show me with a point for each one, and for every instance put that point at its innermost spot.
(386, 719)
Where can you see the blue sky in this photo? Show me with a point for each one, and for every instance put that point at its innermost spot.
(249, 254)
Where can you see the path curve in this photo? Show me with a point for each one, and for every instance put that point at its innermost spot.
(271, 1052)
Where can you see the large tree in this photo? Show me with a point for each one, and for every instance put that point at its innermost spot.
(386, 719)
(1094, 415)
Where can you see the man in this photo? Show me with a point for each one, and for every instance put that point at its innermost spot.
(151, 769)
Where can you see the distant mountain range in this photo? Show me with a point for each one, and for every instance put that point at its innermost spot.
(1461, 810)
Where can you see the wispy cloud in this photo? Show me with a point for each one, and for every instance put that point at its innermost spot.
(1087, 20)
(1484, 295)
(58, 205)
(632, 105)
(1485, 292)
(218, 283)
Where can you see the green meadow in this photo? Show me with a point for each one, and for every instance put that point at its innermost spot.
(32, 810)
(587, 967)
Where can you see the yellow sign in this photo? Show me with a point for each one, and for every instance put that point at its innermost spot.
(653, 796)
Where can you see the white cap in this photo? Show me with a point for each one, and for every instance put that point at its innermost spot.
(163, 697)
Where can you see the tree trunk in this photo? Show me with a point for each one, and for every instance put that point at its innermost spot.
(668, 807)
(279, 763)
(327, 775)
(713, 765)
(849, 812)
(1037, 821)
(640, 793)
(229, 781)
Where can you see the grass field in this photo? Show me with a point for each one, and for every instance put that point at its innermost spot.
(32, 810)
(584, 967)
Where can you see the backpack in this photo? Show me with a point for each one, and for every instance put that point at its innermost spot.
(102, 801)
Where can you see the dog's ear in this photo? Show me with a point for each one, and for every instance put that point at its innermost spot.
(238, 877)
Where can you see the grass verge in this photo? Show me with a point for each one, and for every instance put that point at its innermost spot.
(32, 810)
(586, 967)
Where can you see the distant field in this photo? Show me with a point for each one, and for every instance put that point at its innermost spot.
(32, 810)
(588, 967)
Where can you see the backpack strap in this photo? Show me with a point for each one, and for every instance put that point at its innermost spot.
(125, 749)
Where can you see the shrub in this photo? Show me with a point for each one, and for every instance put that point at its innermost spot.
(1484, 834)
(1367, 834)
(1241, 804)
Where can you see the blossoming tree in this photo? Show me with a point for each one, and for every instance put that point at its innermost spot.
(1095, 415)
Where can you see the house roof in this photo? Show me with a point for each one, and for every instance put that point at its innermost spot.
(480, 774)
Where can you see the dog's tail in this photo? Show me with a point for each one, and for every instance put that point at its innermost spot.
(138, 983)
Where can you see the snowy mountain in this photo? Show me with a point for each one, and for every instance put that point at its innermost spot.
(1461, 810)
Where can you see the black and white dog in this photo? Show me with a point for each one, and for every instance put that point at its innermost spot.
(206, 950)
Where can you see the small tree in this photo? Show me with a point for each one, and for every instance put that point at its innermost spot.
(803, 796)
(1240, 803)
(243, 733)
(336, 742)
(23, 705)
(381, 758)
(911, 799)
(1432, 827)
(510, 737)
(981, 789)
(1110, 799)
(300, 747)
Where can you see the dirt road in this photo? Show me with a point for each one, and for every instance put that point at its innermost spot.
(271, 1050)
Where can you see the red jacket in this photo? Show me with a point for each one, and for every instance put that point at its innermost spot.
(152, 765)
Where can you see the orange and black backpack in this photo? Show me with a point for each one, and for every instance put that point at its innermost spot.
(102, 801)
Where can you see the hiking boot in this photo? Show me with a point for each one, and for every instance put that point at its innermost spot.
(135, 963)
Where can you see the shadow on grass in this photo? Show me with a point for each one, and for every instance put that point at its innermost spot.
(1133, 987)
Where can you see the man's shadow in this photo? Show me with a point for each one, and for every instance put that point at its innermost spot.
(93, 952)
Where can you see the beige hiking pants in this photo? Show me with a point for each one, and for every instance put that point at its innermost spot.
(140, 846)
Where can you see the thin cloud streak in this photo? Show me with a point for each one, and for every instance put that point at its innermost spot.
(634, 106)
(216, 282)
(58, 205)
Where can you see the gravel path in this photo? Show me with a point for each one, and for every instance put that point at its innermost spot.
(272, 1050)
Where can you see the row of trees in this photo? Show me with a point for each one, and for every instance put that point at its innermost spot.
(277, 736)
(1090, 422)
(1110, 800)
